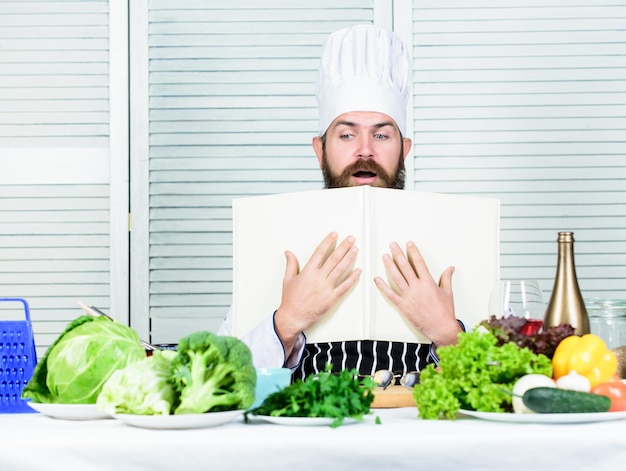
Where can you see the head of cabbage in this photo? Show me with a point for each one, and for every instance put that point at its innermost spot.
(142, 388)
(81, 359)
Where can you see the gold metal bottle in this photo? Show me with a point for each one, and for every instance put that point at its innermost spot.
(566, 305)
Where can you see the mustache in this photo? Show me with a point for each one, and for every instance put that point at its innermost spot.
(364, 165)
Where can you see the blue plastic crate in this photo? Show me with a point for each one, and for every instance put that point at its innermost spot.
(18, 358)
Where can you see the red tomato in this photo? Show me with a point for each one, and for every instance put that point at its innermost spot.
(615, 391)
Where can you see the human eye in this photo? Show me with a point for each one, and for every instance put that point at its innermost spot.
(380, 136)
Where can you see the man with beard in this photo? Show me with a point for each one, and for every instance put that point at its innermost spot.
(363, 87)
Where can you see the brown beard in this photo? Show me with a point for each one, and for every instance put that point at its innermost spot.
(385, 180)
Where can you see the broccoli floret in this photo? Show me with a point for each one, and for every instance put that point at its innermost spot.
(212, 373)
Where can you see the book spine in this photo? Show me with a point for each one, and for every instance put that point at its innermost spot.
(367, 245)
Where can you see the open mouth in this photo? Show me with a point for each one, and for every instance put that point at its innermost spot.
(364, 174)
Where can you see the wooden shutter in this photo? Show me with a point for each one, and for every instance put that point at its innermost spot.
(525, 101)
(55, 203)
(232, 112)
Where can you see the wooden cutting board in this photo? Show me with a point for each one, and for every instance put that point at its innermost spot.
(393, 396)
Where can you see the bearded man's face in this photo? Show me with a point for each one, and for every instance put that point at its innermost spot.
(362, 148)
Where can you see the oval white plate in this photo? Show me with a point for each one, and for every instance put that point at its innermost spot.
(304, 421)
(546, 418)
(70, 411)
(185, 421)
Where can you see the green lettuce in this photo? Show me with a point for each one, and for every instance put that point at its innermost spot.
(141, 388)
(476, 374)
(75, 367)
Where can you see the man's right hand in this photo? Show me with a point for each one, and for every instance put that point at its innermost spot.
(310, 293)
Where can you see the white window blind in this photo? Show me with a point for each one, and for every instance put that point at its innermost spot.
(525, 101)
(55, 216)
(232, 113)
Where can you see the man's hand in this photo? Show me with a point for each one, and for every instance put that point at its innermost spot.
(428, 305)
(310, 293)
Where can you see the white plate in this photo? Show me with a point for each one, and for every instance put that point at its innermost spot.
(304, 421)
(184, 421)
(546, 418)
(70, 411)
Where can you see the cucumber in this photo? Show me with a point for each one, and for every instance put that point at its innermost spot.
(545, 400)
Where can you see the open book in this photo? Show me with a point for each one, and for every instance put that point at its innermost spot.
(449, 230)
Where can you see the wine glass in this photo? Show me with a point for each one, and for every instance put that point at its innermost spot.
(520, 298)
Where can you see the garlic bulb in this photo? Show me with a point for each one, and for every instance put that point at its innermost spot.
(573, 381)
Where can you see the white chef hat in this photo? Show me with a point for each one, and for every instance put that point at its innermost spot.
(364, 68)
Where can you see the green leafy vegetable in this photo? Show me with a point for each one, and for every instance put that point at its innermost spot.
(336, 396)
(141, 388)
(212, 373)
(81, 359)
(475, 374)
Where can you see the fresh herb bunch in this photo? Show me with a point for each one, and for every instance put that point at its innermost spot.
(475, 374)
(333, 395)
(508, 329)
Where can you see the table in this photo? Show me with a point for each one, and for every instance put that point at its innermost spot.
(402, 441)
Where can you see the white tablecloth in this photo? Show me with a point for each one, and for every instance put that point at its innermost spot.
(402, 441)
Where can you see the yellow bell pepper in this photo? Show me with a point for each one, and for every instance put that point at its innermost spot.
(587, 355)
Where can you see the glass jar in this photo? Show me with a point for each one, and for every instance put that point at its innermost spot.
(607, 320)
